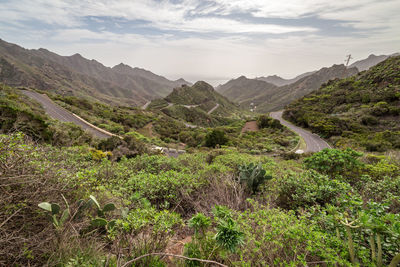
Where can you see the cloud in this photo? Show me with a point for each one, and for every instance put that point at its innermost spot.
(197, 39)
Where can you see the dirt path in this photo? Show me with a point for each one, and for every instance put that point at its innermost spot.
(314, 143)
(250, 126)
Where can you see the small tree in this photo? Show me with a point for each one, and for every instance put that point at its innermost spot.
(216, 137)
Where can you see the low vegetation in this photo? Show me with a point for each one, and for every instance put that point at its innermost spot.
(237, 197)
(62, 206)
(362, 111)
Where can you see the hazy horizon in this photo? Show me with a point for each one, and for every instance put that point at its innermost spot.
(213, 41)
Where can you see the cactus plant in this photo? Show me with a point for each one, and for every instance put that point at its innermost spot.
(54, 211)
(253, 176)
(101, 211)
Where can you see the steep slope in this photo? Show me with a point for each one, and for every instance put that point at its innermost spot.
(242, 89)
(370, 61)
(279, 81)
(199, 104)
(75, 75)
(200, 93)
(277, 99)
(363, 110)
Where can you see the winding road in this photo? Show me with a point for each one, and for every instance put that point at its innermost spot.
(314, 143)
(214, 108)
(61, 114)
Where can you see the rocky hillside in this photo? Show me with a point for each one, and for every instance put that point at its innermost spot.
(243, 89)
(370, 61)
(76, 75)
(279, 81)
(362, 110)
(268, 97)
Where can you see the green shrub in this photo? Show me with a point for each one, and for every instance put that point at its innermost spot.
(369, 120)
(264, 121)
(216, 138)
(280, 238)
(335, 162)
(229, 235)
(309, 189)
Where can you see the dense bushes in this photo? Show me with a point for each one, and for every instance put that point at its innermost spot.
(265, 121)
(215, 137)
(297, 217)
(366, 105)
(308, 189)
(335, 162)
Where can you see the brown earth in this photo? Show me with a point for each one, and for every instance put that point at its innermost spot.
(250, 126)
(175, 246)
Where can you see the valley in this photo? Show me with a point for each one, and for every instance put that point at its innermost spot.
(119, 166)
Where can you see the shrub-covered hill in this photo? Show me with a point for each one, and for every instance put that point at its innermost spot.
(140, 129)
(199, 104)
(66, 207)
(360, 111)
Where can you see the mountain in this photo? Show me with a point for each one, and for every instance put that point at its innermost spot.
(199, 104)
(268, 97)
(76, 75)
(242, 89)
(359, 111)
(278, 99)
(370, 61)
(279, 81)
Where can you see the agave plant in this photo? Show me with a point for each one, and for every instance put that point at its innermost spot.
(229, 235)
(253, 176)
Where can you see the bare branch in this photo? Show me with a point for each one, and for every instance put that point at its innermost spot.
(172, 255)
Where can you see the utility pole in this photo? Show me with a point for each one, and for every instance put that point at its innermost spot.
(347, 60)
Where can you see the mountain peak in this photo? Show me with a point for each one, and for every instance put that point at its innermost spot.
(202, 85)
(121, 65)
(76, 55)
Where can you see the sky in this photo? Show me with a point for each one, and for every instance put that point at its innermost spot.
(211, 40)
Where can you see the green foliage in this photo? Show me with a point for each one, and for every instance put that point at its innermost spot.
(229, 235)
(98, 155)
(265, 121)
(54, 215)
(253, 176)
(199, 223)
(335, 162)
(279, 238)
(359, 108)
(141, 219)
(101, 211)
(156, 192)
(308, 189)
(215, 137)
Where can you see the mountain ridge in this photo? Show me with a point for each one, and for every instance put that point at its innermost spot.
(76, 75)
(370, 61)
(279, 81)
(267, 97)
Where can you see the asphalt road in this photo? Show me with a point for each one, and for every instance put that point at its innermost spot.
(314, 143)
(61, 114)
